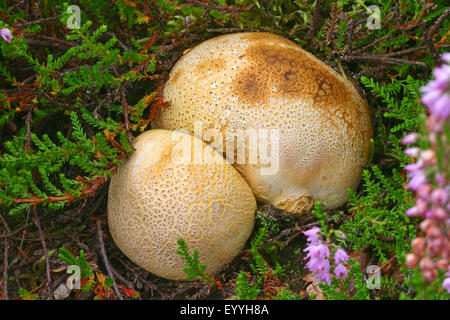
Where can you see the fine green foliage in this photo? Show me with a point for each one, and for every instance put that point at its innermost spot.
(379, 221)
(423, 290)
(26, 295)
(81, 262)
(340, 290)
(259, 266)
(193, 269)
(69, 258)
(244, 290)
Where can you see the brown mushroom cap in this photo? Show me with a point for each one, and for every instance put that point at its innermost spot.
(260, 80)
(155, 198)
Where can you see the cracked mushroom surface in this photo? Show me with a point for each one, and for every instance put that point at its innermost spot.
(258, 80)
(158, 196)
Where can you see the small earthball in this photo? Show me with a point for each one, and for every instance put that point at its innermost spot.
(259, 81)
(159, 195)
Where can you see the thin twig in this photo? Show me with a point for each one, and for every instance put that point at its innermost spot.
(316, 19)
(429, 36)
(35, 22)
(145, 282)
(10, 234)
(105, 258)
(371, 44)
(121, 278)
(44, 247)
(222, 9)
(124, 47)
(385, 59)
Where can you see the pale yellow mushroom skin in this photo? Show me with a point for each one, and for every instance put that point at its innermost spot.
(154, 200)
(260, 80)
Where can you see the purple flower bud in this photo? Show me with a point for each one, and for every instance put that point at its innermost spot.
(433, 232)
(446, 57)
(412, 212)
(440, 180)
(410, 138)
(441, 77)
(427, 264)
(417, 180)
(324, 276)
(418, 245)
(415, 167)
(340, 256)
(428, 157)
(340, 271)
(6, 34)
(424, 191)
(425, 224)
(312, 235)
(446, 284)
(317, 264)
(411, 260)
(319, 250)
(441, 108)
(439, 214)
(436, 246)
(439, 196)
(431, 96)
(412, 152)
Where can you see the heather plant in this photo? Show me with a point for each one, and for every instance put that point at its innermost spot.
(72, 101)
(319, 254)
(429, 180)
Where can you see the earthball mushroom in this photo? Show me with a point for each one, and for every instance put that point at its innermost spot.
(160, 194)
(312, 127)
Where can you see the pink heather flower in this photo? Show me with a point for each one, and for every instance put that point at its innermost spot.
(412, 152)
(436, 94)
(317, 264)
(412, 212)
(426, 264)
(340, 271)
(312, 235)
(446, 57)
(440, 180)
(411, 260)
(439, 214)
(6, 34)
(424, 191)
(324, 276)
(415, 167)
(340, 256)
(417, 179)
(319, 250)
(439, 196)
(441, 109)
(410, 138)
(433, 232)
(446, 284)
(428, 157)
(319, 255)
(418, 245)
